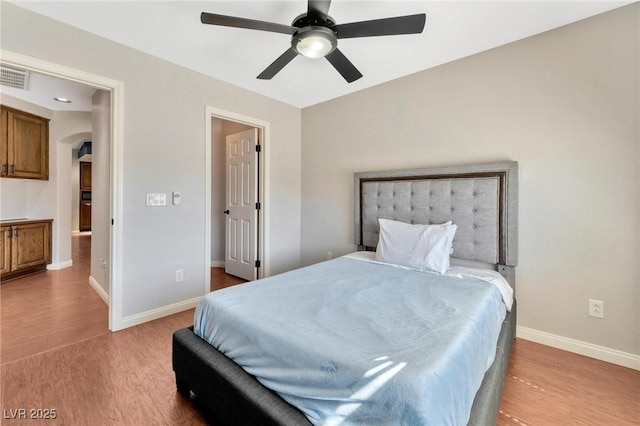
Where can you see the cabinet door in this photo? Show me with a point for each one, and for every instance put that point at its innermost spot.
(85, 216)
(31, 245)
(4, 129)
(85, 176)
(5, 249)
(28, 146)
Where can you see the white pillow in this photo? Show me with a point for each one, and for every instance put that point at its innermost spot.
(423, 247)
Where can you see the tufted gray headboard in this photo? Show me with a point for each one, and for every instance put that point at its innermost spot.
(481, 199)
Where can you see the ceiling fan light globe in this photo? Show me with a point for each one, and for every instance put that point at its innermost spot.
(314, 43)
(314, 47)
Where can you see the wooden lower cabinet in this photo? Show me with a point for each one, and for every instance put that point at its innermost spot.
(5, 250)
(25, 247)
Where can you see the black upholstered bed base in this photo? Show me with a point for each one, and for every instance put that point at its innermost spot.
(237, 398)
(232, 395)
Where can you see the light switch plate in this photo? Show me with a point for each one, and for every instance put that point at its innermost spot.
(156, 199)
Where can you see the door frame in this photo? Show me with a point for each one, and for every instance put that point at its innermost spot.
(116, 89)
(263, 188)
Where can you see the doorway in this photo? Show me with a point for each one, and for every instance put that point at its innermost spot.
(114, 90)
(222, 216)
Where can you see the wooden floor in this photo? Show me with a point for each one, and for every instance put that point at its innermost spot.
(51, 309)
(57, 308)
(219, 279)
(125, 378)
(548, 386)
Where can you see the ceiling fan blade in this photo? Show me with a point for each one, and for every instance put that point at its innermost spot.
(251, 24)
(278, 64)
(319, 9)
(410, 24)
(343, 65)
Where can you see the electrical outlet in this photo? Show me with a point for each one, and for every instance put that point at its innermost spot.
(179, 275)
(329, 255)
(596, 308)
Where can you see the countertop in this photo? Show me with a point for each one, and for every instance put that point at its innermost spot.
(22, 220)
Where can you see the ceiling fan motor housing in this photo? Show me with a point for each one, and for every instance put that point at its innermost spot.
(304, 20)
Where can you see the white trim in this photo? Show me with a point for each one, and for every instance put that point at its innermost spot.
(207, 200)
(59, 265)
(217, 263)
(98, 288)
(602, 353)
(116, 289)
(116, 88)
(163, 311)
(264, 213)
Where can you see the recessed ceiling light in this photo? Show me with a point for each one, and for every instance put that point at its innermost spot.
(63, 100)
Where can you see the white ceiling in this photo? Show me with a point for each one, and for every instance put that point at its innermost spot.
(172, 30)
(43, 88)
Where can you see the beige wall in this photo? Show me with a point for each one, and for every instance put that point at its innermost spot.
(163, 151)
(75, 191)
(565, 105)
(100, 188)
(54, 200)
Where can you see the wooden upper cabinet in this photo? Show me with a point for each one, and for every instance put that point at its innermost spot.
(25, 145)
(85, 176)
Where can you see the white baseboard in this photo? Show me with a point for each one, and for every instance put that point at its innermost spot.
(153, 314)
(602, 353)
(98, 288)
(60, 265)
(217, 263)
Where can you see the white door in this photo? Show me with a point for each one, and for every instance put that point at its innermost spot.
(241, 213)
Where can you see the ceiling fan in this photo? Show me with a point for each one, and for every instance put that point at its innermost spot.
(315, 35)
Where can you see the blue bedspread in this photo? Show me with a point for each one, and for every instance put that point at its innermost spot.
(358, 343)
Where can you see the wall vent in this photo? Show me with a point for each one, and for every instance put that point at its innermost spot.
(14, 77)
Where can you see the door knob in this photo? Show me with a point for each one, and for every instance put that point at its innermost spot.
(226, 212)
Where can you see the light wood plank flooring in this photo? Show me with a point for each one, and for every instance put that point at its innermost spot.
(219, 279)
(548, 386)
(51, 309)
(125, 378)
(57, 308)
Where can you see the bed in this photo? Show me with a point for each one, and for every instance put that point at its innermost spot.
(480, 201)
